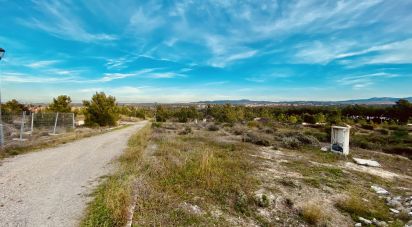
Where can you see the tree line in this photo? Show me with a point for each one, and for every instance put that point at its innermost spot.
(103, 110)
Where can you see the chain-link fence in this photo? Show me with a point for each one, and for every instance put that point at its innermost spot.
(18, 128)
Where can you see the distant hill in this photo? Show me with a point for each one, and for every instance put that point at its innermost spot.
(370, 101)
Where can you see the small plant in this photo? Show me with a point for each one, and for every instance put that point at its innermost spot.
(262, 201)
(313, 214)
(213, 128)
(291, 142)
(241, 204)
(186, 131)
(256, 139)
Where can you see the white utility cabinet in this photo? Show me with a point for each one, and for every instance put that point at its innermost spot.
(340, 139)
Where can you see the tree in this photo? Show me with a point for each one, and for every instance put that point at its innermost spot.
(13, 106)
(61, 104)
(402, 111)
(292, 119)
(320, 118)
(102, 110)
(309, 118)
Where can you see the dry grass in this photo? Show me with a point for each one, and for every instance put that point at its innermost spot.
(314, 214)
(365, 204)
(112, 198)
(49, 142)
(195, 170)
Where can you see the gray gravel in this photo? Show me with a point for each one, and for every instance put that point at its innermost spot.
(52, 187)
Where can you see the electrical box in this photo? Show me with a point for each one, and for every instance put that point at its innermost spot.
(340, 139)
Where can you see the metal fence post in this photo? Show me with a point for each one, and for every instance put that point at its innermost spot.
(74, 123)
(23, 119)
(55, 123)
(32, 122)
(1, 136)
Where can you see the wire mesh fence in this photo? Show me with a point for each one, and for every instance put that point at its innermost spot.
(24, 127)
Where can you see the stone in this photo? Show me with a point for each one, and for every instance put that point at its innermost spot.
(394, 203)
(365, 221)
(324, 149)
(410, 213)
(366, 162)
(358, 224)
(379, 190)
(381, 224)
(394, 210)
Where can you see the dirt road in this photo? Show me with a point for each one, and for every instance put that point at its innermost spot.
(52, 187)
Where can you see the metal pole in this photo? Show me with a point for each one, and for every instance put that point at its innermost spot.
(22, 125)
(74, 123)
(55, 123)
(1, 118)
(32, 122)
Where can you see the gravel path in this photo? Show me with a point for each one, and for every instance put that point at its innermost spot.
(51, 187)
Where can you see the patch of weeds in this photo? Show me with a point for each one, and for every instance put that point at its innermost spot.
(318, 175)
(364, 204)
(313, 214)
(257, 139)
(213, 127)
(263, 201)
(112, 198)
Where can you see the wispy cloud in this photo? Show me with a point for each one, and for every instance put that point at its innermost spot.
(42, 64)
(216, 83)
(58, 20)
(362, 81)
(115, 76)
(164, 75)
(25, 78)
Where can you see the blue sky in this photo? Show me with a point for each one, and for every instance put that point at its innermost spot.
(181, 51)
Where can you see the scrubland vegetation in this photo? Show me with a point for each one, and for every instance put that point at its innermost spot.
(242, 166)
(264, 173)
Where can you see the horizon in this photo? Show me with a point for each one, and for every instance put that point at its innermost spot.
(181, 52)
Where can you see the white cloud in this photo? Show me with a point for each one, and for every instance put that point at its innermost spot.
(164, 75)
(362, 81)
(390, 53)
(60, 21)
(41, 64)
(143, 21)
(115, 76)
(12, 77)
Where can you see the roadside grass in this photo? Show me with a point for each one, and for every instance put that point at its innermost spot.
(194, 177)
(53, 141)
(113, 197)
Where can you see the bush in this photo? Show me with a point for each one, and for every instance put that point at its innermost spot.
(307, 139)
(383, 131)
(297, 140)
(101, 110)
(291, 142)
(256, 139)
(213, 127)
(399, 150)
(313, 214)
(186, 131)
(367, 126)
(239, 130)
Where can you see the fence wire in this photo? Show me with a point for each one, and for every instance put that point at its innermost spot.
(20, 128)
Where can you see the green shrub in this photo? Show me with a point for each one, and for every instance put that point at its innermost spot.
(399, 150)
(256, 139)
(367, 126)
(291, 142)
(101, 110)
(213, 127)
